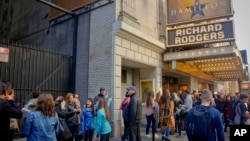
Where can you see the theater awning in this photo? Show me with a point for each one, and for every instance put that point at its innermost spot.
(222, 63)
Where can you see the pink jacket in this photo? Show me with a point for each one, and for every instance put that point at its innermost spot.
(124, 102)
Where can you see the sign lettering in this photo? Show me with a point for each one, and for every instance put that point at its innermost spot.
(180, 12)
(201, 34)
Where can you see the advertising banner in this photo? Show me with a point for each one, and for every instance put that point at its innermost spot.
(200, 34)
(184, 11)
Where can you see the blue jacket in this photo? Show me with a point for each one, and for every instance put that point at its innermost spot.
(88, 120)
(39, 127)
(102, 124)
(216, 124)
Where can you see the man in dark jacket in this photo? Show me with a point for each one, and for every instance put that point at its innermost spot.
(135, 113)
(238, 111)
(102, 94)
(8, 109)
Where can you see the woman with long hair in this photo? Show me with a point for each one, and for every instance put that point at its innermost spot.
(42, 124)
(88, 114)
(151, 112)
(102, 120)
(71, 111)
(158, 97)
(177, 103)
(166, 119)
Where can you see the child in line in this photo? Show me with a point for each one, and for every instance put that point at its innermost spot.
(88, 125)
(102, 120)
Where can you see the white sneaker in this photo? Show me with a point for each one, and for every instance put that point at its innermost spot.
(156, 136)
(148, 136)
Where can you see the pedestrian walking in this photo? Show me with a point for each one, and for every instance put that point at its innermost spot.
(203, 122)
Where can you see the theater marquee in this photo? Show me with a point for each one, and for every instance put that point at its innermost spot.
(184, 11)
(200, 34)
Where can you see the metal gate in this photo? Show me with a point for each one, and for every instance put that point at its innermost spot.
(29, 69)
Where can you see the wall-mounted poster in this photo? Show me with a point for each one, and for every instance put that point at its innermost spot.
(146, 85)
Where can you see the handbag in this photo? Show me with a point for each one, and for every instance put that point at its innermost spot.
(64, 132)
(14, 124)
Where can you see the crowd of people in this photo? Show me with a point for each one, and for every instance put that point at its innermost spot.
(203, 115)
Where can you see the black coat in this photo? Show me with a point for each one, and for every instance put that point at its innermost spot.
(8, 109)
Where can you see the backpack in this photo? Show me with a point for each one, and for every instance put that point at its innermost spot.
(233, 110)
(200, 124)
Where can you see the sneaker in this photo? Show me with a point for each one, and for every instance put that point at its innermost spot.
(148, 136)
(156, 136)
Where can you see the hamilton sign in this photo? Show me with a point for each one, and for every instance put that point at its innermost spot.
(200, 34)
(184, 11)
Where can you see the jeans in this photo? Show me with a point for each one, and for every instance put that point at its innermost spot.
(104, 137)
(126, 130)
(134, 134)
(73, 132)
(150, 119)
(88, 135)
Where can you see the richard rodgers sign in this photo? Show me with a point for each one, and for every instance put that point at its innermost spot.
(200, 34)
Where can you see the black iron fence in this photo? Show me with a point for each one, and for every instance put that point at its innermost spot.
(30, 68)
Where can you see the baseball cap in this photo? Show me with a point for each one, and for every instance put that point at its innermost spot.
(132, 88)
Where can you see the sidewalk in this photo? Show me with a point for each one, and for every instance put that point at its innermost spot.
(144, 138)
(143, 134)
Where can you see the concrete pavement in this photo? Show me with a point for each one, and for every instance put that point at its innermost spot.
(144, 138)
(143, 133)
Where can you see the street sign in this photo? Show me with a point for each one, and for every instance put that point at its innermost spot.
(4, 54)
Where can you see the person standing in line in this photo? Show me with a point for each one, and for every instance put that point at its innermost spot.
(149, 112)
(134, 114)
(78, 136)
(164, 106)
(203, 122)
(188, 104)
(71, 113)
(124, 107)
(227, 111)
(102, 94)
(43, 123)
(8, 109)
(88, 121)
(177, 103)
(59, 107)
(158, 97)
(103, 126)
(14, 127)
(31, 104)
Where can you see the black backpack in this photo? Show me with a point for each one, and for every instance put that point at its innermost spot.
(200, 124)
